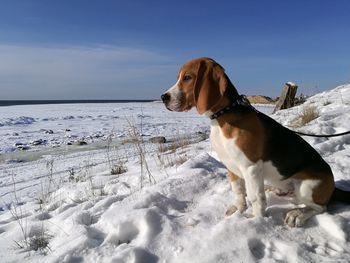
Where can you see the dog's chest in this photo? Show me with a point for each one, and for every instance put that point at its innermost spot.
(237, 162)
(229, 153)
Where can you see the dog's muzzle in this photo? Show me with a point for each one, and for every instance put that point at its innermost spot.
(165, 98)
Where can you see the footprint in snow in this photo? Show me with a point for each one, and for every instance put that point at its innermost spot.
(139, 229)
(257, 248)
(165, 203)
(135, 254)
(43, 216)
(125, 233)
(279, 250)
(105, 203)
(329, 249)
(96, 237)
(85, 218)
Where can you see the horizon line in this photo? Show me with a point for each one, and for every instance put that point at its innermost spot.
(68, 101)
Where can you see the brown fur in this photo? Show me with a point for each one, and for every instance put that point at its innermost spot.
(232, 176)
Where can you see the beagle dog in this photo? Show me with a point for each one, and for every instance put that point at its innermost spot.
(254, 147)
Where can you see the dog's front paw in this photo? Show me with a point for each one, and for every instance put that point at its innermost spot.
(234, 208)
(231, 210)
(295, 218)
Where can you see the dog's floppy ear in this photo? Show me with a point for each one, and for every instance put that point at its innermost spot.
(210, 85)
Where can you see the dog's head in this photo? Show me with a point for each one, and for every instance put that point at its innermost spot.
(201, 83)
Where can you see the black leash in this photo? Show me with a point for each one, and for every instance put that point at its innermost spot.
(321, 136)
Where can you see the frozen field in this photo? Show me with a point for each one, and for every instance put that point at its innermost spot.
(50, 126)
(60, 202)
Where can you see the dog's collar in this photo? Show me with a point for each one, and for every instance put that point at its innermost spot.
(240, 102)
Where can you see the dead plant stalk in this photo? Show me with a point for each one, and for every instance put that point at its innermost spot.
(139, 144)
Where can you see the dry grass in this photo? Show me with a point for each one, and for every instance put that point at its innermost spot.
(308, 114)
(115, 161)
(41, 240)
(177, 143)
(171, 159)
(136, 135)
(17, 213)
(119, 168)
(326, 102)
(181, 142)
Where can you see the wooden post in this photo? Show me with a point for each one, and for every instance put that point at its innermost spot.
(287, 97)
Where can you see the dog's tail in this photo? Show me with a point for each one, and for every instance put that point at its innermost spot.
(340, 195)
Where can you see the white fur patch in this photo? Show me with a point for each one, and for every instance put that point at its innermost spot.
(304, 191)
(232, 157)
(175, 96)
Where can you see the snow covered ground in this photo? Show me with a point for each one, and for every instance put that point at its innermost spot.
(60, 203)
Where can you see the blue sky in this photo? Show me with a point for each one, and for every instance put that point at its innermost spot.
(128, 49)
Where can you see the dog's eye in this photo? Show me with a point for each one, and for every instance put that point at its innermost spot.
(187, 77)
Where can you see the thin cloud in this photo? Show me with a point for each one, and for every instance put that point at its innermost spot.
(98, 71)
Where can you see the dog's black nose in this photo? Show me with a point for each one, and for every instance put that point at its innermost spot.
(165, 97)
